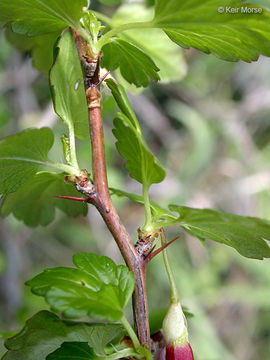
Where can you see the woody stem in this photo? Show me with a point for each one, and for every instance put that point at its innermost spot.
(100, 198)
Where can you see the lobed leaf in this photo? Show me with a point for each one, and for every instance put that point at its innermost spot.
(230, 36)
(45, 332)
(40, 47)
(165, 54)
(34, 203)
(97, 287)
(67, 83)
(21, 155)
(135, 66)
(246, 234)
(38, 17)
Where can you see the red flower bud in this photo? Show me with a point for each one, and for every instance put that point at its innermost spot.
(179, 352)
(176, 335)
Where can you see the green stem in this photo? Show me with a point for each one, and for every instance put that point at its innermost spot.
(161, 224)
(72, 145)
(103, 17)
(123, 354)
(174, 292)
(65, 168)
(136, 25)
(131, 333)
(147, 208)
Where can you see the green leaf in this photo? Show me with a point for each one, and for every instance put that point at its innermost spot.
(135, 66)
(41, 47)
(121, 99)
(21, 155)
(229, 36)
(150, 2)
(36, 17)
(73, 351)
(165, 54)
(141, 163)
(158, 212)
(68, 87)
(82, 351)
(91, 23)
(245, 234)
(34, 203)
(6, 335)
(45, 332)
(97, 287)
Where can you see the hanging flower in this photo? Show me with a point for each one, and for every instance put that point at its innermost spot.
(176, 334)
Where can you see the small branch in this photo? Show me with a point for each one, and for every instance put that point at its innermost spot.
(98, 193)
(97, 143)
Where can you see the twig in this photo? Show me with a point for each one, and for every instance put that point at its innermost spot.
(98, 195)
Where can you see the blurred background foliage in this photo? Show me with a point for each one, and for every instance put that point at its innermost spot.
(211, 131)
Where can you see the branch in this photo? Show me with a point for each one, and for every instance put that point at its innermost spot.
(98, 192)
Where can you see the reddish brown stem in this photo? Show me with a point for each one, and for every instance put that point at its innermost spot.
(100, 198)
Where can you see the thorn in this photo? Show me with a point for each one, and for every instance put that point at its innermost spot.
(103, 78)
(152, 254)
(153, 248)
(81, 199)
